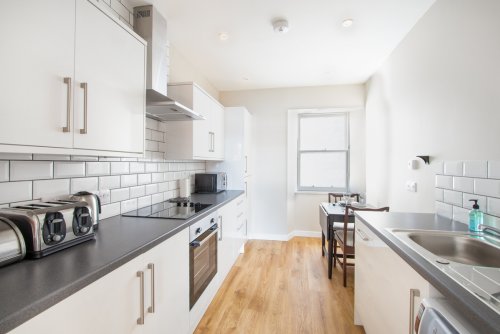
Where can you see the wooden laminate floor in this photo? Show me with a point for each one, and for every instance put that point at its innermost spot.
(282, 287)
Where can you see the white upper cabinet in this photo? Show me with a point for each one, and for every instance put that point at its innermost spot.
(61, 61)
(110, 62)
(37, 54)
(196, 139)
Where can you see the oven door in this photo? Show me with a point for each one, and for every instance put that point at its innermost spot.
(202, 263)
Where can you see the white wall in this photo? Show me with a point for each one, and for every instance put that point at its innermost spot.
(276, 212)
(438, 94)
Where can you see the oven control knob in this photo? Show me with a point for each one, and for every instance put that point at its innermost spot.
(84, 229)
(198, 230)
(56, 238)
(212, 220)
(185, 204)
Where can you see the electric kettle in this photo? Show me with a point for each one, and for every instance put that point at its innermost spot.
(93, 201)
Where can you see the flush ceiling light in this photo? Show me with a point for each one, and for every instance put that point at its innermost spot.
(280, 26)
(347, 23)
(223, 36)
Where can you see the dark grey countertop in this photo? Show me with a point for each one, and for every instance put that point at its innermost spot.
(471, 307)
(29, 287)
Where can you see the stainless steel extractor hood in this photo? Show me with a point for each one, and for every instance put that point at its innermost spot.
(151, 26)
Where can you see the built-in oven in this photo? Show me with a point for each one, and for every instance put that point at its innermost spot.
(202, 256)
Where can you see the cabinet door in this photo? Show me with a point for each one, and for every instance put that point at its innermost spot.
(109, 305)
(171, 265)
(37, 54)
(111, 62)
(376, 289)
(247, 146)
(202, 131)
(218, 130)
(227, 234)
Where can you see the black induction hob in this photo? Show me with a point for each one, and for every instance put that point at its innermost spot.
(168, 210)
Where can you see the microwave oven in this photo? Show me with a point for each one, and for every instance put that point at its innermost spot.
(210, 183)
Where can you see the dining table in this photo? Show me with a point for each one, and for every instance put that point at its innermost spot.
(331, 218)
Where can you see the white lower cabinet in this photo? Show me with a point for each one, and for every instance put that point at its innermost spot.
(384, 286)
(112, 304)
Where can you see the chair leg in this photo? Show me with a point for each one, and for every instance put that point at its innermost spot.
(335, 252)
(330, 257)
(344, 268)
(322, 244)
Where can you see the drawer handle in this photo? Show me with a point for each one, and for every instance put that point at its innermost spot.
(413, 293)
(140, 320)
(240, 202)
(362, 234)
(67, 128)
(151, 309)
(84, 85)
(239, 215)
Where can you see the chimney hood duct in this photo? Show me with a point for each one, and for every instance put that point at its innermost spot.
(150, 25)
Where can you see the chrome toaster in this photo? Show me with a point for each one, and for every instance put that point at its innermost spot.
(48, 227)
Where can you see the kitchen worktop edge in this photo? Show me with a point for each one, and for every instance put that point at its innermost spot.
(469, 305)
(118, 241)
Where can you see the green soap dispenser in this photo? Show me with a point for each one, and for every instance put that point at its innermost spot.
(475, 217)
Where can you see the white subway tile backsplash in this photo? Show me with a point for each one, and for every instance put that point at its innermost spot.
(69, 169)
(157, 177)
(144, 201)
(487, 187)
(151, 189)
(84, 184)
(157, 198)
(481, 201)
(16, 191)
(84, 158)
(148, 134)
(151, 145)
(128, 159)
(444, 210)
(157, 156)
(52, 157)
(476, 168)
(129, 205)
(157, 136)
(109, 182)
(445, 182)
(494, 169)
(16, 156)
(120, 168)
(163, 186)
(493, 206)
(460, 214)
(30, 170)
(121, 194)
(137, 167)
(143, 179)
(110, 210)
(465, 184)
(128, 180)
(162, 126)
(162, 147)
(138, 191)
(452, 197)
(152, 124)
(454, 168)
(4, 171)
(438, 167)
(50, 189)
(151, 167)
(98, 168)
(163, 167)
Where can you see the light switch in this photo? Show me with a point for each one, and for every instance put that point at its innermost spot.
(412, 164)
(411, 186)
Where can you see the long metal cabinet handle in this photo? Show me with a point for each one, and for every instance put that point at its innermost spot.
(220, 227)
(213, 141)
(140, 320)
(246, 163)
(84, 85)
(67, 128)
(209, 141)
(413, 293)
(151, 309)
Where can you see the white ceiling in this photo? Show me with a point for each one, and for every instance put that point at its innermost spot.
(317, 50)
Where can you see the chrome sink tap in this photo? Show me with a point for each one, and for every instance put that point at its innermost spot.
(490, 230)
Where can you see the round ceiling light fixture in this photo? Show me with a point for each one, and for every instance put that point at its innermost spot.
(280, 26)
(347, 23)
(223, 36)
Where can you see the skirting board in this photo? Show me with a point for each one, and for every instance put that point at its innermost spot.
(285, 237)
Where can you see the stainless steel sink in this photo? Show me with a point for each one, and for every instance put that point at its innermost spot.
(461, 248)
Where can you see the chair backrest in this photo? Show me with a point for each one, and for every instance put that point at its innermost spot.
(356, 208)
(338, 196)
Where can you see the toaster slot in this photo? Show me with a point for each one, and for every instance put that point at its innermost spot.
(54, 228)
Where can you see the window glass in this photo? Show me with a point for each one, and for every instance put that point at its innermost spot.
(326, 132)
(323, 170)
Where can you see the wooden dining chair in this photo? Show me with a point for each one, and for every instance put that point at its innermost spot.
(338, 196)
(344, 239)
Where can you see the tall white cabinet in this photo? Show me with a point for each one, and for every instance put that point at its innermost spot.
(196, 139)
(238, 162)
(64, 61)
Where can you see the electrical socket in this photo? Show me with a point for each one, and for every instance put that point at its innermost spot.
(104, 195)
(411, 186)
